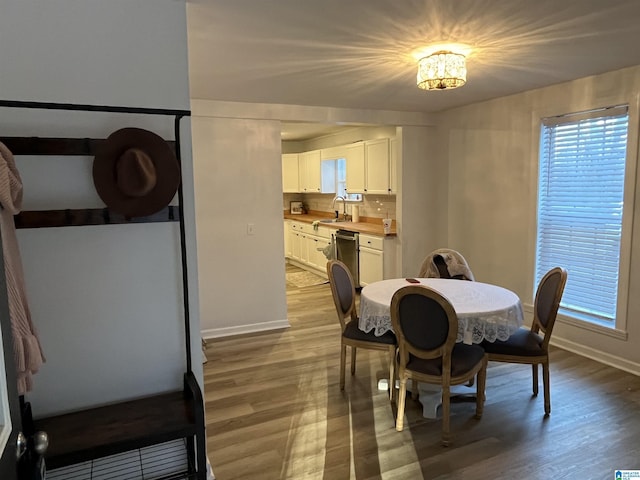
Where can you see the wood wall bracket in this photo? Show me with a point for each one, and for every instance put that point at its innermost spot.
(48, 146)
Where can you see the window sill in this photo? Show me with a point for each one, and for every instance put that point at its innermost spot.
(586, 325)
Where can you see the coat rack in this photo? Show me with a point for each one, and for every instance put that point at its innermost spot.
(99, 432)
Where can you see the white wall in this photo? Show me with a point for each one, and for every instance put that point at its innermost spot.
(420, 202)
(238, 173)
(106, 300)
(491, 149)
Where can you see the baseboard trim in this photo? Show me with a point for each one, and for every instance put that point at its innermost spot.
(597, 355)
(244, 329)
(592, 353)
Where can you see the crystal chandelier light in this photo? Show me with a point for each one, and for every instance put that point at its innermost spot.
(442, 70)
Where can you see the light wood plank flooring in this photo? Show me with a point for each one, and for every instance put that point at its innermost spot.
(274, 410)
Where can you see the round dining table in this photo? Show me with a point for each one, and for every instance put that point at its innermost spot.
(485, 311)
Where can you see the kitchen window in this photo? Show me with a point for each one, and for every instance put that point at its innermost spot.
(341, 182)
(581, 195)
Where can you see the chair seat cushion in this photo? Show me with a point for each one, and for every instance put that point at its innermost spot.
(463, 359)
(353, 332)
(523, 342)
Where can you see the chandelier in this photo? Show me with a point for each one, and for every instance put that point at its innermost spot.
(442, 70)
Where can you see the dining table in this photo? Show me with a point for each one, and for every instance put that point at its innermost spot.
(485, 312)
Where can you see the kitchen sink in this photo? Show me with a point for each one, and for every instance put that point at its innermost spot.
(332, 220)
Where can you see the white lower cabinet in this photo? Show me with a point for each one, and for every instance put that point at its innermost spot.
(306, 246)
(371, 265)
(287, 237)
(377, 258)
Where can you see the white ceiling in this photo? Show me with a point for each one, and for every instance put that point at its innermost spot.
(361, 53)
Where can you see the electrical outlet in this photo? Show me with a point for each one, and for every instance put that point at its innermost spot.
(250, 228)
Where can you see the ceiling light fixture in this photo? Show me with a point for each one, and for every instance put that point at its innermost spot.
(442, 70)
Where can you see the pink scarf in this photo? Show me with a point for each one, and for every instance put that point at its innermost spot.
(26, 346)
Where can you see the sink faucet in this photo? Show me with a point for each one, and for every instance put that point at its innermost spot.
(344, 206)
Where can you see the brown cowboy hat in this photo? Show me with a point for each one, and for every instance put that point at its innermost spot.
(135, 172)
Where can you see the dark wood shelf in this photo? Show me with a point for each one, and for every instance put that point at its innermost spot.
(57, 146)
(88, 216)
(102, 431)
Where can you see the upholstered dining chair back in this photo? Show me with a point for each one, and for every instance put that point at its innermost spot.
(446, 263)
(531, 345)
(344, 297)
(343, 290)
(547, 301)
(426, 326)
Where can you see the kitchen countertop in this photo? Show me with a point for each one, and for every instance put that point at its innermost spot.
(368, 225)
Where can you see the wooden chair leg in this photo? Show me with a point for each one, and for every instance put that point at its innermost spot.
(343, 360)
(446, 410)
(534, 371)
(392, 372)
(353, 360)
(547, 390)
(480, 390)
(402, 396)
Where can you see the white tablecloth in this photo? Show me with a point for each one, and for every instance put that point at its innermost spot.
(485, 312)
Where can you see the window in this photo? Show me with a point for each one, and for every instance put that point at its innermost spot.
(580, 206)
(341, 182)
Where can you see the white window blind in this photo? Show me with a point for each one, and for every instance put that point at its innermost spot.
(580, 204)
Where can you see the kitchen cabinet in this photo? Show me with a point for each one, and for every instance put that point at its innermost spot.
(306, 173)
(306, 245)
(290, 173)
(376, 258)
(368, 167)
(287, 236)
(376, 160)
(309, 172)
(355, 168)
(294, 241)
(316, 245)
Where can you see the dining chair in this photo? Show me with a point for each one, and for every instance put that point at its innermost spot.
(344, 297)
(426, 326)
(531, 345)
(446, 263)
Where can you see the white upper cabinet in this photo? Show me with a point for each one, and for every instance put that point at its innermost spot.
(355, 168)
(309, 163)
(376, 159)
(368, 167)
(306, 173)
(290, 173)
(316, 176)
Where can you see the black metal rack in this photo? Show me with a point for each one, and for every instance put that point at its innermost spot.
(104, 431)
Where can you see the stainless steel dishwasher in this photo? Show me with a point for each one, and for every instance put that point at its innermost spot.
(347, 249)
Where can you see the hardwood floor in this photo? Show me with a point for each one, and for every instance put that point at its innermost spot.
(274, 410)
